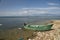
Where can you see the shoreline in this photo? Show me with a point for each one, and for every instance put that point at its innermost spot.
(15, 34)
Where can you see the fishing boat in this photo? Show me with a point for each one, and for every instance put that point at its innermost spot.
(39, 27)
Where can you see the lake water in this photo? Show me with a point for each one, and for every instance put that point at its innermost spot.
(8, 23)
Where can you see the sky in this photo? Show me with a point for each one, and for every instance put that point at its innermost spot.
(29, 7)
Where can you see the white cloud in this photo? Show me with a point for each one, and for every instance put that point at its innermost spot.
(54, 8)
(42, 8)
(53, 4)
(37, 11)
(32, 11)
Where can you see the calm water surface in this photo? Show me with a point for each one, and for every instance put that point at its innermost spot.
(18, 22)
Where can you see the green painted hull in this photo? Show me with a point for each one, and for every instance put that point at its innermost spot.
(39, 27)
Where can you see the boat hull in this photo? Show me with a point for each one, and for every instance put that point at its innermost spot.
(38, 27)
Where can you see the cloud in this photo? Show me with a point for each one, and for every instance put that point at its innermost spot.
(42, 8)
(53, 4)
(53, 8)
(37, 11)
(31, 11)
